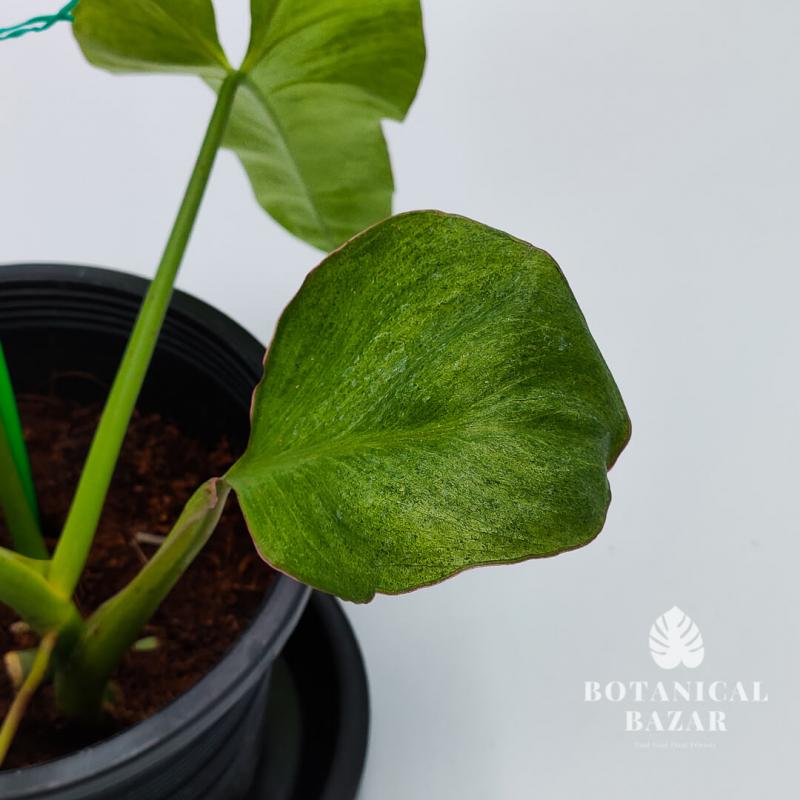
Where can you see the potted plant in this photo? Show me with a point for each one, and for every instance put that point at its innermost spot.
(432, 399)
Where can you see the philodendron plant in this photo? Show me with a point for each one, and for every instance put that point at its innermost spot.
(432, 399)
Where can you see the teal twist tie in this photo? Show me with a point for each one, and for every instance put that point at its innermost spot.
(39, 24)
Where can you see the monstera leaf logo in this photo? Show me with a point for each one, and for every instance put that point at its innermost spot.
(675, 639)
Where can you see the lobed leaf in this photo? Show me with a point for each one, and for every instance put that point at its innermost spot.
(432, 400)
(318, 78)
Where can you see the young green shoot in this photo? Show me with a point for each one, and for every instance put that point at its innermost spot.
(17, 492)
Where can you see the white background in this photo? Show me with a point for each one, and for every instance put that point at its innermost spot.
(653, 149)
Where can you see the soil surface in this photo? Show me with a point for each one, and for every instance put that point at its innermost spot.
(203, 616)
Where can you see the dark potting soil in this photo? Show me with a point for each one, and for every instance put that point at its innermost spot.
(205, 613)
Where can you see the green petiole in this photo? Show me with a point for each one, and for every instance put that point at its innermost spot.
(17, 492)
(9, 418)
(84, 514)
(25, 588)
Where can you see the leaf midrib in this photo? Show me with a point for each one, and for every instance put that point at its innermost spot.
(348, 444)
(266, 105)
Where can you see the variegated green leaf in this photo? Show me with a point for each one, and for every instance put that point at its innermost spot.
(432, 400)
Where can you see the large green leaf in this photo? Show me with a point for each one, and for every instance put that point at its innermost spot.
(318, 77)
(432, 400)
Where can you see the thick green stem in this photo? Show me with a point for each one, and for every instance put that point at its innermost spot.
(76, 538)
(115, 626)
(24, 588)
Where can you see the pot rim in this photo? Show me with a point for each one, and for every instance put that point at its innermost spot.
(238, 670)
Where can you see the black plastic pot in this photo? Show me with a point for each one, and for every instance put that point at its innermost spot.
(63, 329)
